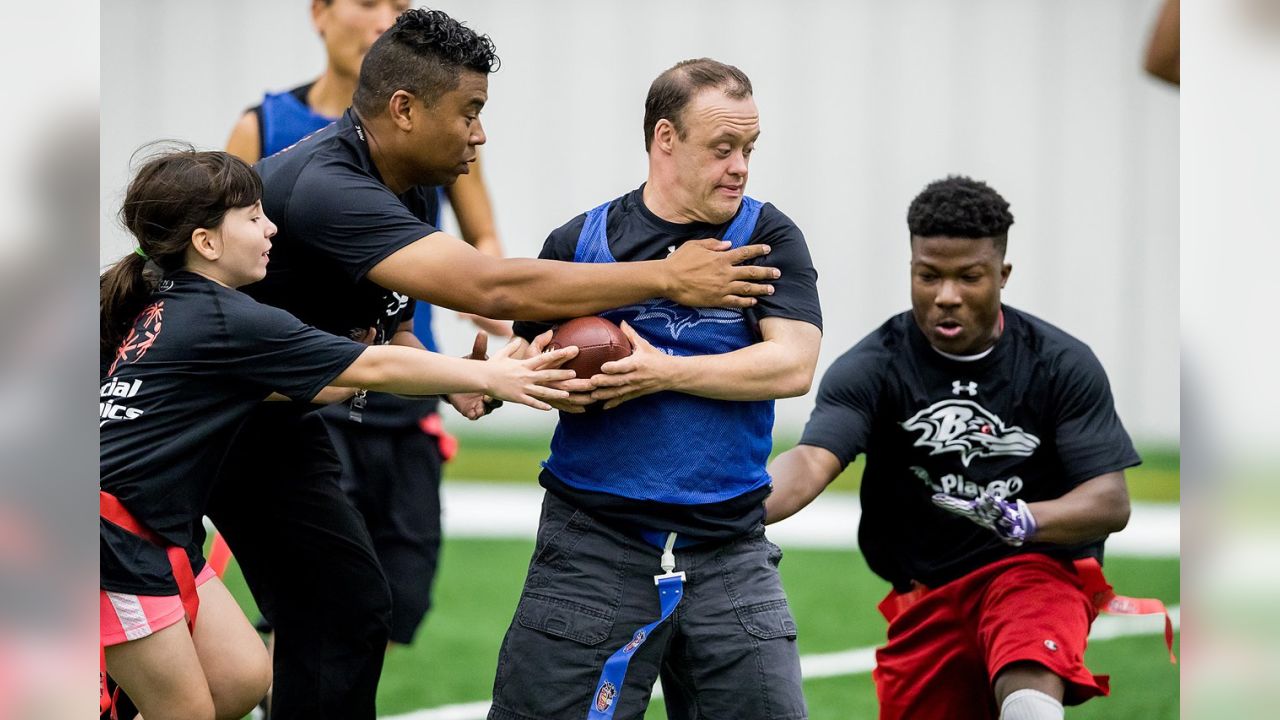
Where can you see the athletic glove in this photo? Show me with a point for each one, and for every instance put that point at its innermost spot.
(1010, 520)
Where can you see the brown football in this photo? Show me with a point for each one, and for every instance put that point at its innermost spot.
(598, 341)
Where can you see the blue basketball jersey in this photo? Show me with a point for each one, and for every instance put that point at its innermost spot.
(286, 120)
(669, 447)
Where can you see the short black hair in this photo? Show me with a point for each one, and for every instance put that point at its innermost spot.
(424, 52)
(962, 207)
(676, 86)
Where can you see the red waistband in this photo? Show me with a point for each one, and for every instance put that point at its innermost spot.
(1095, 587)
(111, 509)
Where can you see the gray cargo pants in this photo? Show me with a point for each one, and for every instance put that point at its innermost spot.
(728, 652)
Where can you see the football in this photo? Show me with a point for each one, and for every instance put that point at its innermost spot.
(598, 341)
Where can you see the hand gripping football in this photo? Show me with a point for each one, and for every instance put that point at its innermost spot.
(598, 341)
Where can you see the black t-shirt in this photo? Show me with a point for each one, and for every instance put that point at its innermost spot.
(1033, 419)
(636, 234)
(336, 219)
(199, 359)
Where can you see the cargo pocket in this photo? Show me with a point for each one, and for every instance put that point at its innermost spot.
(565, 619)
(768, 620)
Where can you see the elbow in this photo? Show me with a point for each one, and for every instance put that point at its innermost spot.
(799, 379)
(798, 382)
(1120, 518)
(1114, 509)
(374, 368)
(502, 305)
(497, 297)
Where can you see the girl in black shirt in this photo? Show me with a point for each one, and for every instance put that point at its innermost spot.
(184, 359)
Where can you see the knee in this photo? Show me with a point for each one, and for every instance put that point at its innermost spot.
(239, 690)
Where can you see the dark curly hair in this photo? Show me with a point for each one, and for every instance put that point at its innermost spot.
(960, 206)
(423, 53)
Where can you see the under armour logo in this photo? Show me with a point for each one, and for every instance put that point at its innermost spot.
(971, 388)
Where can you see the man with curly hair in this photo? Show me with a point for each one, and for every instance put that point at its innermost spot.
(995, 471)
(353, 203)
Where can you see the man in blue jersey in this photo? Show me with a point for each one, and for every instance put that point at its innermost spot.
(666, 480)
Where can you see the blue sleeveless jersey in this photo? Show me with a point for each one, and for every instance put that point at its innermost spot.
(286, 120)
(669, 447)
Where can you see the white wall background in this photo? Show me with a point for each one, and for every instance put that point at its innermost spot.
(862, 103)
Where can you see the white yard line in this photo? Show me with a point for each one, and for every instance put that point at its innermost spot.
(493, 510)
(848, 662)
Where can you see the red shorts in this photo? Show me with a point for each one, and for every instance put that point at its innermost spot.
(946, 649)
(124, 617)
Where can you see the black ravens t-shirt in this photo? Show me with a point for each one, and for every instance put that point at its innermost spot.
(196, 363)
(336, 220)
(1032, 419)
(636, 234)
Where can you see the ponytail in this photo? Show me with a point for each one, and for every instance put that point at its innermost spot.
(122, 293)
(174, 192)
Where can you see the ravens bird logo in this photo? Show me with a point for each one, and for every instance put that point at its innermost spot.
(967, 428)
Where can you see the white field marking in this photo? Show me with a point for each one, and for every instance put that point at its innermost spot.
(494, 510)
(847, 662)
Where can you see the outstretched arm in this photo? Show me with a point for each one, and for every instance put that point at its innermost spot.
(779, 366)
(446, 271)
(799, 475)
(399, 369)
(1090, 511)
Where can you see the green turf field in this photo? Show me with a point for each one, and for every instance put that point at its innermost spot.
(832, 594)
(833, 598)
(515, 458)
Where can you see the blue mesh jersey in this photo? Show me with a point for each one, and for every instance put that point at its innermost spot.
(669, 447)
(671, 461)
(285, 118)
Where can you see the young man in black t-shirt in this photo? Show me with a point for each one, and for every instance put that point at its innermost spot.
(995, 463)
(352, 203)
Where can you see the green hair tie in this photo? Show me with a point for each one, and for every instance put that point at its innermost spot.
(138, 251)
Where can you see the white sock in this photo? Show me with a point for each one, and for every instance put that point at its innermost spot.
(1030, 704)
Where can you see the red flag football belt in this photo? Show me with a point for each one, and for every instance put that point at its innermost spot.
(1096, 588)
(110, 508)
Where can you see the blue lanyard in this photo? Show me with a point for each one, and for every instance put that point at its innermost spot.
(670, 589)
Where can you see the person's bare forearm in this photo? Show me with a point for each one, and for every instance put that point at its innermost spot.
(1092, 510)
(799, 476)
(527, 289)
(412, 371)
(445, 271)
(763, 371)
